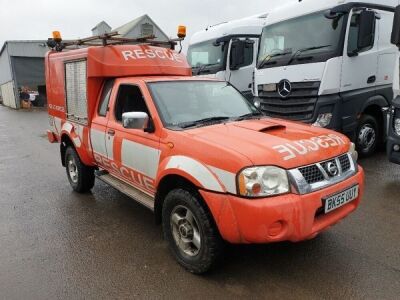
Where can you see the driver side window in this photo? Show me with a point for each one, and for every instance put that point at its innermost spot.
(130, 99)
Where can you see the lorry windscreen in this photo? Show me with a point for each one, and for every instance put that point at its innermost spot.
(305, 32)
(206, 57)
(184, 104)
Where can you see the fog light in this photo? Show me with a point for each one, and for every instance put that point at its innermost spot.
(397, 126)
(396, 148)
(276, 229)
(323, 120)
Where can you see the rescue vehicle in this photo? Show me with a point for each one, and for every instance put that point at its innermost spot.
(193, 150)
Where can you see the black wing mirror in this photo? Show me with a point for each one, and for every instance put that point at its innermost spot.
(396, 28)
(237, 54)
(366, 32)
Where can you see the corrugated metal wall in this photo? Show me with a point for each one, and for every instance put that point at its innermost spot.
(5, 70)
(29, 71)
(7, 92)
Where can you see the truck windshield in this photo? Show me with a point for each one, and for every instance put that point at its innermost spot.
(184, 104)
(310, 38)
(206, 57)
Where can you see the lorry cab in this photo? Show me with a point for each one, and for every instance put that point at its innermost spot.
(194, 151)
(393, 144)
(330, 64)
(228, 51)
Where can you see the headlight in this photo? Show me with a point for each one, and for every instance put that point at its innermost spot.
(353, 152)
(263, 182)
(323, 120)
(397, 126)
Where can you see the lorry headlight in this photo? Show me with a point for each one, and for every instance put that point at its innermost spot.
(397, 125)
(263, 182)
(353, 152)
(323, 120)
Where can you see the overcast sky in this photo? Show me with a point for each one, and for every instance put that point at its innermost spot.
(36, 19)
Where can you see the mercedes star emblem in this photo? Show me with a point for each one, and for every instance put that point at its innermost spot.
(284, 88)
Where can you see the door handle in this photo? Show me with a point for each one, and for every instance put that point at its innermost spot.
(371, 79)
(111, 132)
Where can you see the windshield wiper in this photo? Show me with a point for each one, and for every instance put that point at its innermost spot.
(203, 121)
(202, 67)
(298, 52)
(269, 57)
(249, 116)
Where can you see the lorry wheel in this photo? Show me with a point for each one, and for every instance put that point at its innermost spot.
(80, 177)
(368, 136)
(190, 231)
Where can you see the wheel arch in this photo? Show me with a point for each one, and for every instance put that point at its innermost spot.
(68, 141)
(168, 183)
(374, 107)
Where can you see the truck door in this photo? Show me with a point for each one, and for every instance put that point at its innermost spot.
(100, 145)
(242, 58)
(136, 153)
(359, 72)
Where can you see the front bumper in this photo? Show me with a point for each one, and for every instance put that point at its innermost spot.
(288, 217)
(393, 138)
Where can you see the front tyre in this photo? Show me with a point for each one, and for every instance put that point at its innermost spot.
(368, 136)
(80, 176)
(190, 231)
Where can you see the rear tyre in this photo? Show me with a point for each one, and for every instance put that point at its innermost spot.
(80, 176)
(368, 136)
(190, 231)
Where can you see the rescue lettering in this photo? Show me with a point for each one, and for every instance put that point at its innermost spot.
(130, 175)
(151, 54)
(303, 147)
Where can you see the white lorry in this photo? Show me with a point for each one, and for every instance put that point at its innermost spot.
(228, 51)
(329, 63)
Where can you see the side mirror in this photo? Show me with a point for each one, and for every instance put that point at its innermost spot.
(396, 28)
(135, 120)
(237, 54)
(366, 32)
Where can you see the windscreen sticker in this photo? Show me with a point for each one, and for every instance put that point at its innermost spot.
(303, 147)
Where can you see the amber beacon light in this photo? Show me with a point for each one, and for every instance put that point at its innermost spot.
(57, 36)
(181, 32)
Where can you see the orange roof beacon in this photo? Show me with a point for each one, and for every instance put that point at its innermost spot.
(193, 150)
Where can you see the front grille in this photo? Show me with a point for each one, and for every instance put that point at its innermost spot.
(299, 105)
(345, 162)
(314, 173)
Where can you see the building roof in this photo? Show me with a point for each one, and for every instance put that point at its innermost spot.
(22, 42)
(125, 29)
(102, 22)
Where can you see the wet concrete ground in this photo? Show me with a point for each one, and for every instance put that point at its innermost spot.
(57, 244)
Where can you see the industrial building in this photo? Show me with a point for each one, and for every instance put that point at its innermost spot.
(22, 62)
(22, 65)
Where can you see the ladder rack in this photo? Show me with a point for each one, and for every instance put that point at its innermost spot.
(111, 38)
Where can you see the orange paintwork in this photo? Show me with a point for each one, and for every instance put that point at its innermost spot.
(248, 221)
(229, 147)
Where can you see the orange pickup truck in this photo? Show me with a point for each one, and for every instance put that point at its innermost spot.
(209, 164)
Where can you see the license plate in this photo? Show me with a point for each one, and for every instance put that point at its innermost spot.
(338, 200)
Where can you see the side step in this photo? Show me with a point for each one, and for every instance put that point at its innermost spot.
(127, 189)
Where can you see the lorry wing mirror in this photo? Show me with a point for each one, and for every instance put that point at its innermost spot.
(396, 28)
(237, 54)
(366, 31)
(135, 120)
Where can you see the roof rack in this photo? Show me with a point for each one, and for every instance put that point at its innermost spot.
(106, 39)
